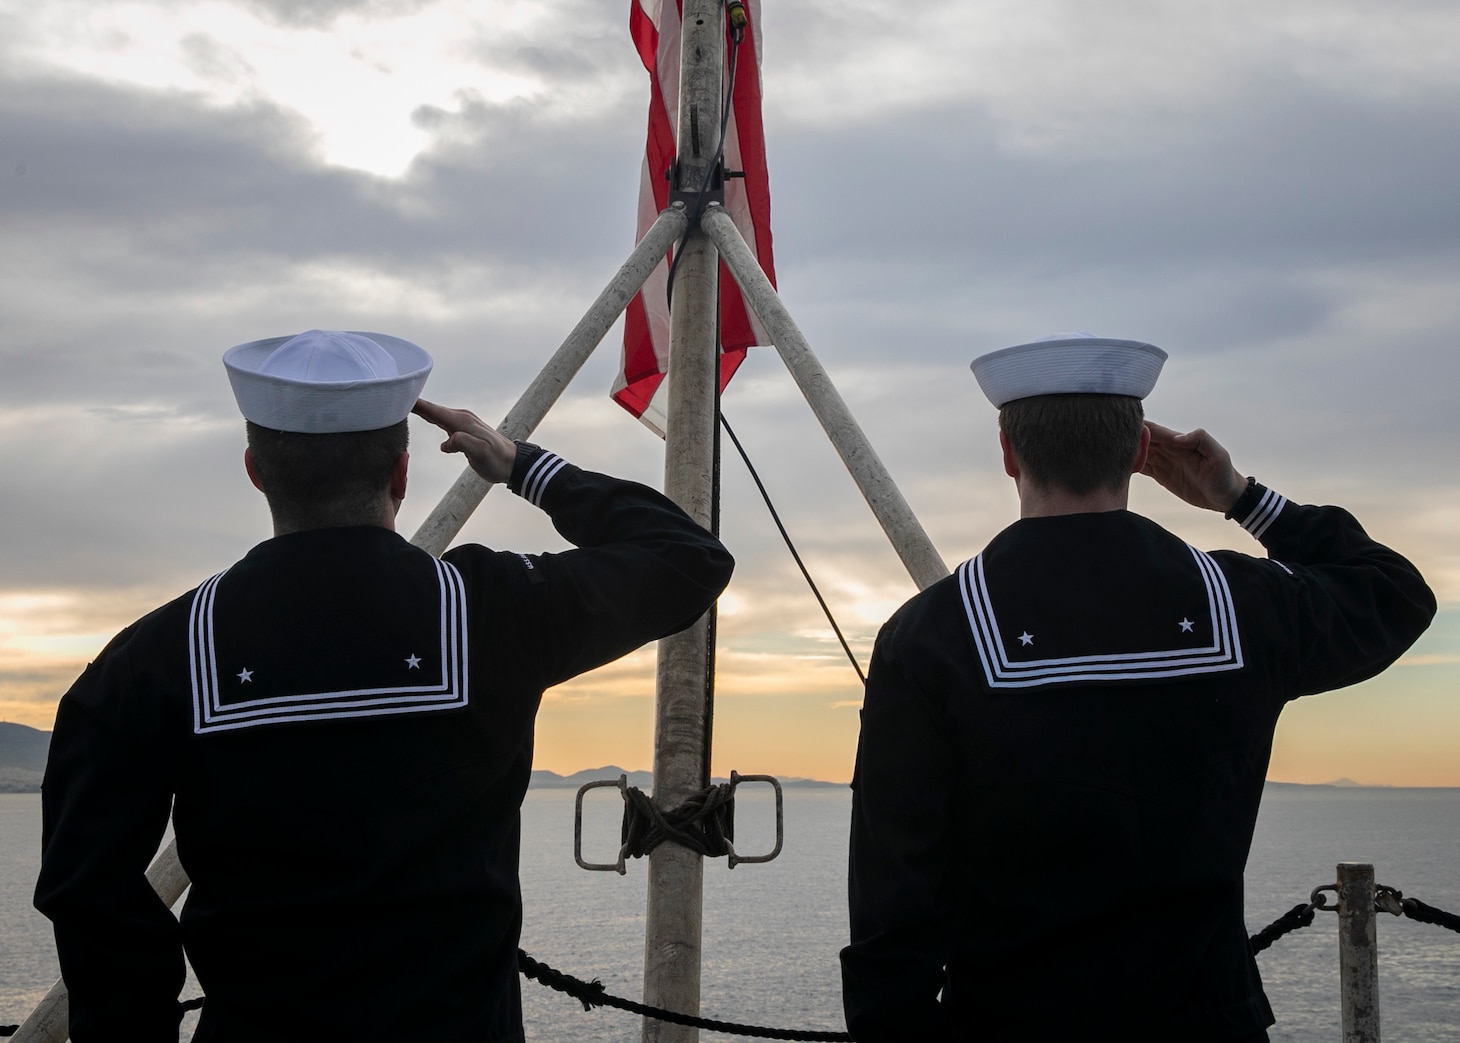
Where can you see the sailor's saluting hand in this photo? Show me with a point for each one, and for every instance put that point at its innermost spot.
(1193, 466)
(490, 453)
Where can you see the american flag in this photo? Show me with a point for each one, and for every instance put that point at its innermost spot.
(655, 27)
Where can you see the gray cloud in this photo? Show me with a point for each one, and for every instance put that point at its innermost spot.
(182, 227)
(317, 14)
(1290, 177)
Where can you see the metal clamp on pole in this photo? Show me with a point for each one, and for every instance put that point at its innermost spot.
(1388, 900)
(735, 780)
(645, 826)
(618, 867)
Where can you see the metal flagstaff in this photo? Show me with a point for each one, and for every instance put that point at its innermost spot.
(672, 927)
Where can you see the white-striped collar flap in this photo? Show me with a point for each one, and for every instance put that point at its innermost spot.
(1001, 670)
(211, 713)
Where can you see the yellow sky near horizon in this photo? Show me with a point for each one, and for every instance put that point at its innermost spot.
(794, 712)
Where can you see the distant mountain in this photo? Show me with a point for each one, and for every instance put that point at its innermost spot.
(22, 757)
(792, 780)
(1335, 784)
(610, 773)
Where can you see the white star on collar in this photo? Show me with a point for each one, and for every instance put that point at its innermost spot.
(414, 662)
(245, 676)
(1026, 638)
(1186, 625)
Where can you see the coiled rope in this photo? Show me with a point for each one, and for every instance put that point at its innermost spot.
(704, 822)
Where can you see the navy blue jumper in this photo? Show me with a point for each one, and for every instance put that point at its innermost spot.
(1062, 753)
(341, 726)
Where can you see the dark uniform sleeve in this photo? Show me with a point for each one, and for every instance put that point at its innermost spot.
(642, 569)
(902, 858)
(106, 800)
(1353, 605)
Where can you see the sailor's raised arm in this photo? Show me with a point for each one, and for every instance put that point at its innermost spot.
(639, 568)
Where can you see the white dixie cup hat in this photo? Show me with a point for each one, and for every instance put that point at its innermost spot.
(1069, 364)
(327, 381)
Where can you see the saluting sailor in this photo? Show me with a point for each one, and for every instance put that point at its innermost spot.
(1063, 745)
(341, 726)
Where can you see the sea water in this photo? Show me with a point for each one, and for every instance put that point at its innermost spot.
(772, 932)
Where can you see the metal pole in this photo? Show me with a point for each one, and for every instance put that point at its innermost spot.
(672, 926)
(441, 527)
(1358, 953)
(917, 552)
(50, 1021)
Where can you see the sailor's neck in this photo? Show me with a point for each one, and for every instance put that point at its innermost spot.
(1042, 502)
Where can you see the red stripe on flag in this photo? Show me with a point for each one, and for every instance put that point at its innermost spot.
(654, 26)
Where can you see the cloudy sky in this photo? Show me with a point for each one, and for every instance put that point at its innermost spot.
(1269, 191)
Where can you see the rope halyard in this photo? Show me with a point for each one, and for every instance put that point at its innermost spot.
(786, 536)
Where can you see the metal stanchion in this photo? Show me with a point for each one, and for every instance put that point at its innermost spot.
(1358, 953)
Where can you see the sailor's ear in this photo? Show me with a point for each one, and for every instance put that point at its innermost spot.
(398, 477)
(1143, 452)
(1011, 460)
(253, 474)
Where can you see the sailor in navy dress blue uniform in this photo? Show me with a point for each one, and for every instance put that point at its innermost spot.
(1062, 753)
(342, 728)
